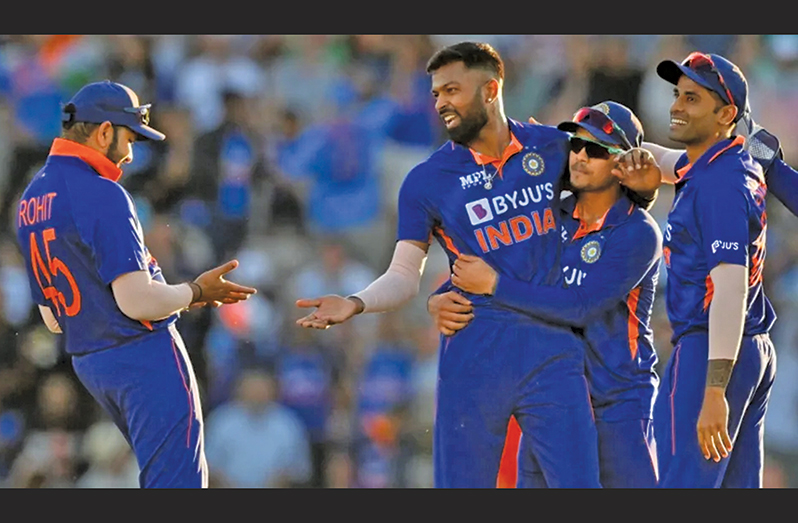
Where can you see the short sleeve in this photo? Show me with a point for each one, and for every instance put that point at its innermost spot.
(723, 212)
(415, 222)
(115, 235)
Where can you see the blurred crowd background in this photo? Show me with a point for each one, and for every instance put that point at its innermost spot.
(287, 152)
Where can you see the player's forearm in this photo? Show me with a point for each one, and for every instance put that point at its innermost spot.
(726, 321)
(399, 284)
(666, 158)
(141, 298)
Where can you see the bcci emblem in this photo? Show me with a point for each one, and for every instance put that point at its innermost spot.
(604, 108)
(533, 164)
(591, 251)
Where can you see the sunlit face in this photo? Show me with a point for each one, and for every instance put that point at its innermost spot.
(459, 100)
(591, 174)
(694, 116)
(120, 151)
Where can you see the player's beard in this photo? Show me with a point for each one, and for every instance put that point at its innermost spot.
(113, 153)
(471, 124)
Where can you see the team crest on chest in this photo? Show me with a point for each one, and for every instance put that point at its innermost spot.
(533, 164)
(591, 251)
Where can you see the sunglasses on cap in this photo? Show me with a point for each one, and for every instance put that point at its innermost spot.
(596, 150)
(143, 111)
(703, 63)
(601, 121)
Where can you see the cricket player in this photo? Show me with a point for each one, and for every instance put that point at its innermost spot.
(95, 281)
(611, 266)
(709, 415)
(491, 191)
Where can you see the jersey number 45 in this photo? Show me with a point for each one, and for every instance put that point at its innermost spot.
(50, 270)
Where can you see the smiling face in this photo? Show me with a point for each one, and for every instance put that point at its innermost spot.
(459, 94)
(697, 115)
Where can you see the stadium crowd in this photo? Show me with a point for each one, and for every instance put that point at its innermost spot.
(287, 152)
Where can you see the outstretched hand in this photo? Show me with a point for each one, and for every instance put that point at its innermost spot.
(330, 310)
(217, 291)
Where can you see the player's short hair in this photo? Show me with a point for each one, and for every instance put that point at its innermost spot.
(474, 55)
(77, 131)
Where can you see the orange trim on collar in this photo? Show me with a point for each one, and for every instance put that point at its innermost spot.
(738, 140)
(483, 159)
(95, 159)
(585, 229)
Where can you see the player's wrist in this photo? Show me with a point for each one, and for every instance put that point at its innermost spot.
(719, 373)
(360, 305)
(196, 292)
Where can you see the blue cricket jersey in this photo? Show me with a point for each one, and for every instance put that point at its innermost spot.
(78, 231)
(513, 225)
(717, 216)
(610, 275)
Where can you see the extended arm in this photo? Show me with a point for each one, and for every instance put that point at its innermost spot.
(141, 298)
(398, 285)
(625, 260)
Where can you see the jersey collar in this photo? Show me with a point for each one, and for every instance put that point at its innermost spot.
(686, 172)
(513, 148)
(616, 214)
(96, 160)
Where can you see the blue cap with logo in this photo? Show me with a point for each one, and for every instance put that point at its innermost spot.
(712, 72)
(609, 122)
(108, 101)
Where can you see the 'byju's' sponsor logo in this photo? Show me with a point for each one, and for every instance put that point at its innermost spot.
(726, 246)
(479, 211)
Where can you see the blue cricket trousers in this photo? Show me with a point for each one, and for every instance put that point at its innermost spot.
(149, 389)
(627, 456)
(678, 404)
(498, 367)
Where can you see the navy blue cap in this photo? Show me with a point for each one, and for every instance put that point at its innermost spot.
(109, 101)
(705, 77)
(591, 120)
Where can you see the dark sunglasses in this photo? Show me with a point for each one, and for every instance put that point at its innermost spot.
(600, 120)
(143, 111)
(703, 63)
(596, 150)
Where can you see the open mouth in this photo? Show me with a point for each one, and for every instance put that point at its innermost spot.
(677, 122)
(449, 119)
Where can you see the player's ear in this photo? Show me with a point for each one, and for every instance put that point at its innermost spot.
(491, 90)
(727, 114)
(104, 134)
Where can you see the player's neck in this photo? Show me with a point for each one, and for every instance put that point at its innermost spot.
(494, 138)
(696, 150)
(593, 205)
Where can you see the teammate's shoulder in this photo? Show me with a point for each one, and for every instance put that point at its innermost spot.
(537, 132)
(642, 222)
(448, 157)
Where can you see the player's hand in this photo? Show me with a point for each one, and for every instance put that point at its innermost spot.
(330, 310)
(450, 311)
(215, 288)
(713, 425)
(201, 304)
(532, 120)
(638, 170)
(473, 275)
